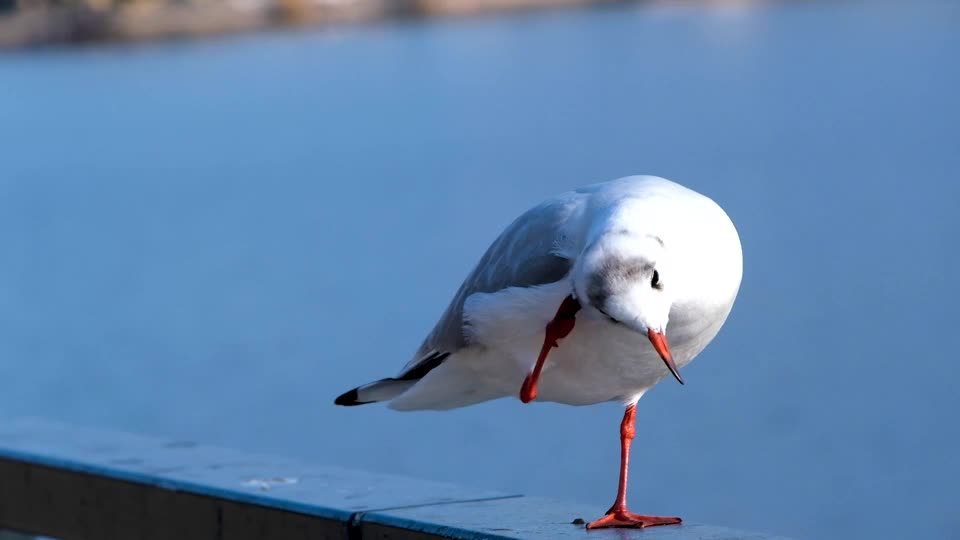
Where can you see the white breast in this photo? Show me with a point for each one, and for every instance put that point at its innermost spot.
(599, 361)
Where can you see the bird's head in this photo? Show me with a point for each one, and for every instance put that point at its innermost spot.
(626, 277)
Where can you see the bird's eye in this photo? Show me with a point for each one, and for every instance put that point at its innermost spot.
(655, 281)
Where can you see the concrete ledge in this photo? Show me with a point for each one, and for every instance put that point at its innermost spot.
(529, 518)
(81, 484)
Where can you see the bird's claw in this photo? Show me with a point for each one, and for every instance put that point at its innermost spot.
(626, 519)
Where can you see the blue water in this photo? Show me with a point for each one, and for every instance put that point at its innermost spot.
(211, 240)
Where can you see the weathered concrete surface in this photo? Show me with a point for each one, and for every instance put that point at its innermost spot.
(529, 518)
(11, 535)
(81, 484)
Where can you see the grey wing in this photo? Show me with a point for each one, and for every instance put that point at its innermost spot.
(527, 253)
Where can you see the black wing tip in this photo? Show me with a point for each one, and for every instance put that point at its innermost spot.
(350, 399)
(431, 361)
(427, 364)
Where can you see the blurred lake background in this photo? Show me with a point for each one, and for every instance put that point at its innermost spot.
(212, 239)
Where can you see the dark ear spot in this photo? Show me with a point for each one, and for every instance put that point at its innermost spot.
(615, 273)
(616, 269)
(597, 291)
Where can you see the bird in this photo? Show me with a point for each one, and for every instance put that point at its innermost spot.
(592, 296)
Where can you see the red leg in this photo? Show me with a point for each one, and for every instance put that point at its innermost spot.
(558, 328)
(618, 515)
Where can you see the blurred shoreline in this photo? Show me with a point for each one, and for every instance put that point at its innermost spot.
(27, 23)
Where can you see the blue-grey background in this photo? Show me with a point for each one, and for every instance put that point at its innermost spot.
(213, 239)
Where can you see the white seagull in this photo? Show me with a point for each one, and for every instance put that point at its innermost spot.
(604, 268)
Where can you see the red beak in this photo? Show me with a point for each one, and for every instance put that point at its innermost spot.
(659, 342)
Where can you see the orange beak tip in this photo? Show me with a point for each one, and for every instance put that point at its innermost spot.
(659, 342)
